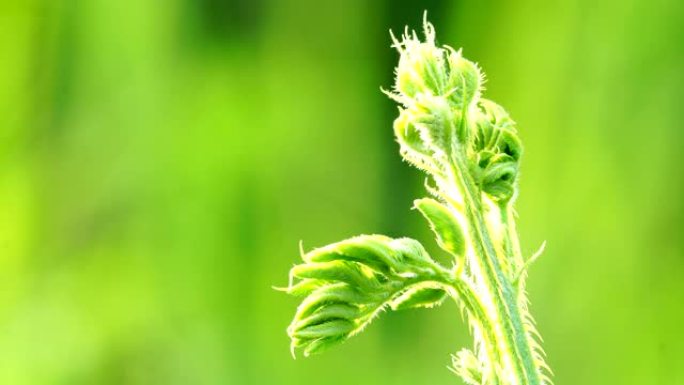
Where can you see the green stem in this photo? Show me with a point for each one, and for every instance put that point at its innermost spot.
(512, 339)
(464, 295)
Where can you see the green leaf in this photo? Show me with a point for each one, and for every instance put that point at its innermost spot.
(370, 250)
(411, 254)
(444, 224)
(498, 179)
(341, 271)
(422, 67)
(327, 313)
(334, 328)
(412, 145)
(433, 117)
(465, 80)
(330, 294)
(419, 297)
(304, 287)
(510, 144)
(322, 344)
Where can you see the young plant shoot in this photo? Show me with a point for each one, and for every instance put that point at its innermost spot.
(470, 150)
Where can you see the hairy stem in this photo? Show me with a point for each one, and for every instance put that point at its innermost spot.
(511, 337)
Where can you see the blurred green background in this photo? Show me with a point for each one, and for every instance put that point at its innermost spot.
(160, 161)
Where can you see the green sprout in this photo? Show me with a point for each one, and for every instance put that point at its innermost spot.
(470, 150)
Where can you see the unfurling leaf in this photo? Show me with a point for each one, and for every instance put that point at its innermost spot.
(347, 283)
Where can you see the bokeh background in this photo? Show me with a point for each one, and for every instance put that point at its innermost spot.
(160, 161)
